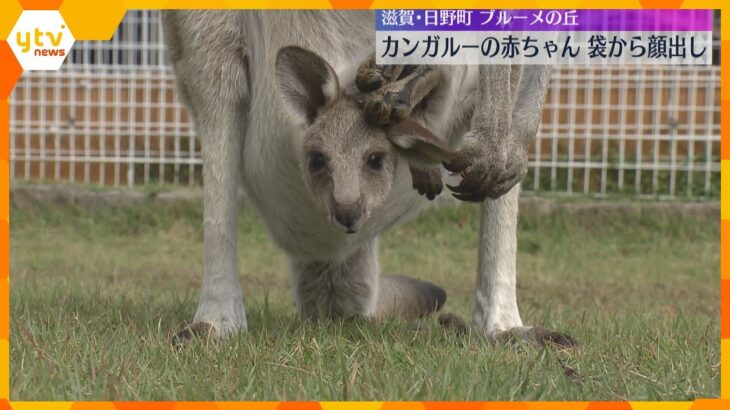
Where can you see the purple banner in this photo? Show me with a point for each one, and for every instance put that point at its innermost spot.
(543, 20)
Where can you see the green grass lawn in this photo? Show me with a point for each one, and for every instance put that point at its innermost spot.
(96, 295)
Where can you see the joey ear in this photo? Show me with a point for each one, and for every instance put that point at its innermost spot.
(418, 145)
(306, 81)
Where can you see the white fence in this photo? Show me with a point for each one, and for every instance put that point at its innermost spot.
(110, 116)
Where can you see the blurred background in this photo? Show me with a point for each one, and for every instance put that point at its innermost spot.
(110, 116)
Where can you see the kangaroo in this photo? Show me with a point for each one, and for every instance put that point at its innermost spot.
(274, 98)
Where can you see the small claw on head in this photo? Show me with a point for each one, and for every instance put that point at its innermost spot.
(399, 112)
(369, 80)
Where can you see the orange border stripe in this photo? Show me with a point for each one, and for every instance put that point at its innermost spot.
(9, 73)
(724, 309)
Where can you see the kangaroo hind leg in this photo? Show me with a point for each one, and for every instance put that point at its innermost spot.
(212, 78)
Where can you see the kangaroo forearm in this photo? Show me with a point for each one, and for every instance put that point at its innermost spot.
(529, 101)
(492, 115)
(494, 155)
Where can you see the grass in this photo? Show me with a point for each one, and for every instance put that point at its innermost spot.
(647, 183)
(96, 295)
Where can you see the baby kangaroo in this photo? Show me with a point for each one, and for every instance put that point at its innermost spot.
(349, 167)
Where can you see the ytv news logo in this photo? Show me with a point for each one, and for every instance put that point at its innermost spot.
(40, 40)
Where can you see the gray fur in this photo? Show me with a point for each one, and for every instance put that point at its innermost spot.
(260, 124)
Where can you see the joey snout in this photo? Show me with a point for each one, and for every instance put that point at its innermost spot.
(348, 216)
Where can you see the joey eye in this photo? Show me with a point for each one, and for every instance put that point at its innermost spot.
(317, 161)
(375, 161)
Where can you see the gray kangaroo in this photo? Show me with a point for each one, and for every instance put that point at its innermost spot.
(275, 100)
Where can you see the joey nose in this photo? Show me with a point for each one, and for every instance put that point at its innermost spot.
(348, 215)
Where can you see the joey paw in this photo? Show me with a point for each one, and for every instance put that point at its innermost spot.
(427, 181)
(371, 76)
(386, 107)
